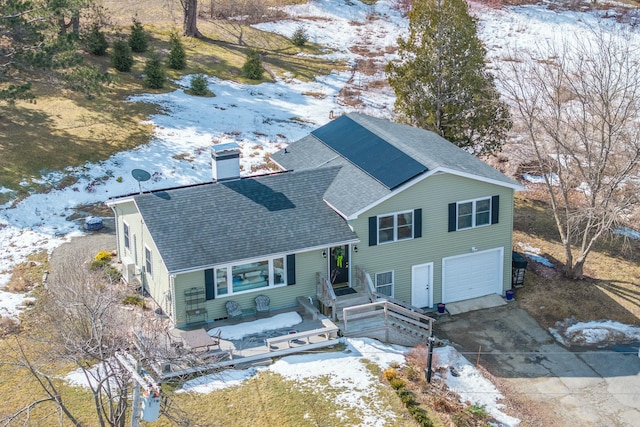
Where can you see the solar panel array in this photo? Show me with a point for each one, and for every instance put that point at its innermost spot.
(372, 154)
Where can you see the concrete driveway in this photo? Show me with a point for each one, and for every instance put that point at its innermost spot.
(574, 387)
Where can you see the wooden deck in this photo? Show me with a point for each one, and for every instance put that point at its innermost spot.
(315, 331)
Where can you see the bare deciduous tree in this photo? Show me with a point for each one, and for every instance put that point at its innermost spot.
(85, 324)
(190, 22)
(577, 103)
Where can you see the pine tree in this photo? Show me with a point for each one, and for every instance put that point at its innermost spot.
(441, 82)
(252, 67)
(138, 39)
(122, 58)
(154, 75)
(96, 41)
(177, 58)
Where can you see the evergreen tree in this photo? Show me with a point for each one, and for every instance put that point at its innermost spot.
(96, 41)
(252, 67)
(198, 85)
(33, 36)
(154, 75)
(177, 58)
(440, 79)
(122, 58)
(138, 39)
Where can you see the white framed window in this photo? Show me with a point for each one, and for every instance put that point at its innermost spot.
(251, 276)
(148, 262)
(473, 213)
(394, 227)
(125, 234)
(384, 283)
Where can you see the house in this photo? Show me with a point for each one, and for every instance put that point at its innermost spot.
(425, 220)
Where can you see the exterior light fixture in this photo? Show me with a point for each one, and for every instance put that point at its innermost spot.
(324, 254)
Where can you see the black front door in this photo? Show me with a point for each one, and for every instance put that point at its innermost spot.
(339, 266)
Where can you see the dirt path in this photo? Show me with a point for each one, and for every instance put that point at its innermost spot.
(84, 247)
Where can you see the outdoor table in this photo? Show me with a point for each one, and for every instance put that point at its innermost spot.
(198, 339)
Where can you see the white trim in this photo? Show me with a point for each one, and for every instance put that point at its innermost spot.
(120, 200)
(393, 281)
(413, 274)
(126, 235)
(515, 187)
(395, 226)
(335, 209)
(246, 260)
(500, 281)
(229, 275)
(474, 212)
(148, 261)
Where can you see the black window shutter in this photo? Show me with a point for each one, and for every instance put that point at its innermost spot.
(495, 209)
(291, 269)
(373, 231)
(453, 216)
(208, 284)
(417, 223)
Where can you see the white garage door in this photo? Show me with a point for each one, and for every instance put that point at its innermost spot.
(472, 275)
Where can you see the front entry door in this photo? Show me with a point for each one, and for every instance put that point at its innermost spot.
(421, 285)
(339, 266)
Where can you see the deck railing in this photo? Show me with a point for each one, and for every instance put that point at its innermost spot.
(326, 295)
(365, 284)
(389, 312)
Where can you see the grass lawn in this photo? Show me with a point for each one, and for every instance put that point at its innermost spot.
(64, 128)
(610, 290)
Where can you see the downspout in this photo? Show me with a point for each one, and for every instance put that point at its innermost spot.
(172, 296)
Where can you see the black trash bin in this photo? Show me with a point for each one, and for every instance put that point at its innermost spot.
(518, 268)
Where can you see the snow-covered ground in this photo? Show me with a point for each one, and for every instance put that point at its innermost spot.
(262, 119)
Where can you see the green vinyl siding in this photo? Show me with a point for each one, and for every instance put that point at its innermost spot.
(158, 283)
(306, 266)
(433, 195)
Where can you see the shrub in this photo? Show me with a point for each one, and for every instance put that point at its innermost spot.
(478, 412)
(253, 68)
(406, 397)
(154, 75)
(96, 41)
(421, 416)
(112, 273)
(134, 300)
(177, 58)
(397, 383)
(138, 39)
(390, 373)
(300, 36)
(122, 58)
(9, 326)
(198, 85)
(99, 264)
(103, 255)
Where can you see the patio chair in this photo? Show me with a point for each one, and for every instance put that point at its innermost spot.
(216, 337)
(233, 309)
(262, 305)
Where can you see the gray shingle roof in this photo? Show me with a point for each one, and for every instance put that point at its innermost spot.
(353, 189)
(221, 222)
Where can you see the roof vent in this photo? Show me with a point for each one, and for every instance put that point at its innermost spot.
(225, 161)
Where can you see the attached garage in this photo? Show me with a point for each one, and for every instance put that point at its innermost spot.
(472, 275)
